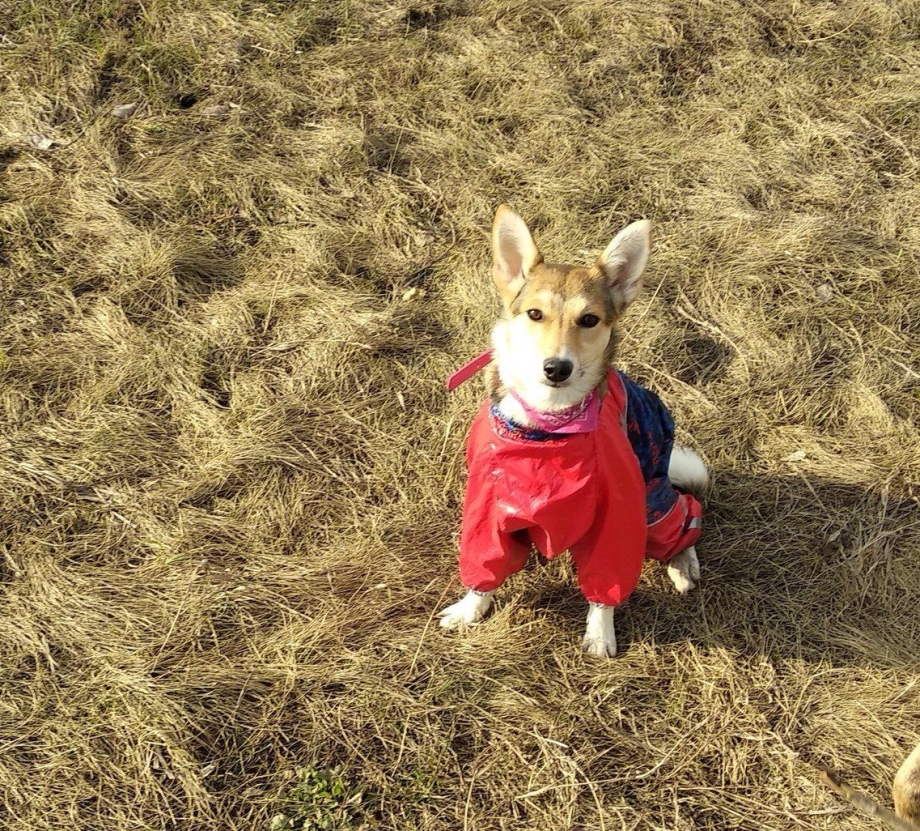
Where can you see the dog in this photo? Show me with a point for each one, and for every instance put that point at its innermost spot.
(568, 453)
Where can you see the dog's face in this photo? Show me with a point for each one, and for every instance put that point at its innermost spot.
(556, 338)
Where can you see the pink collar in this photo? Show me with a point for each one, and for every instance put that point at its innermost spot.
(582, 418)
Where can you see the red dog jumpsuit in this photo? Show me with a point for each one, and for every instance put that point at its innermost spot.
(584, 492)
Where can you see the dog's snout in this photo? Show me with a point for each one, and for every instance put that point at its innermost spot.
(557, 370)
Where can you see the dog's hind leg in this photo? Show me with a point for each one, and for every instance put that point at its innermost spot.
(471, 609)
(689, 475)
(600, 638)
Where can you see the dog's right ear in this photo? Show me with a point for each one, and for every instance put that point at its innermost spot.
(514, 253)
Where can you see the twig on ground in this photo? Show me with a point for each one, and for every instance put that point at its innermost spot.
(865, 803)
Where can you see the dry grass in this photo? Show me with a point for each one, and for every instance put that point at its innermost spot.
(230, 475)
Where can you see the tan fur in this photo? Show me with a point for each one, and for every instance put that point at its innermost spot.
(906, 789)
(563, 294)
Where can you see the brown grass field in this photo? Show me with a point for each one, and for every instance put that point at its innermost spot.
(230, 475)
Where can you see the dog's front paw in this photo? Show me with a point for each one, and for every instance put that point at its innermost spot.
(599, 648)
(471, 609)
(600, 640)
(684, 570)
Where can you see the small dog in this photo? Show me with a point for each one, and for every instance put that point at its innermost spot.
(568, 453)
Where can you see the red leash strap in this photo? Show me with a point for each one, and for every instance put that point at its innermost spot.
(468, 370)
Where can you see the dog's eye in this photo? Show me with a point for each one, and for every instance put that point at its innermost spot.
(535, 314)
(589, 321)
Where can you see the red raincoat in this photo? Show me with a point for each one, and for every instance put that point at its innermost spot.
(583, 492)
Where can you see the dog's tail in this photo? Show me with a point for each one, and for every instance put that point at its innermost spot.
(687, 471)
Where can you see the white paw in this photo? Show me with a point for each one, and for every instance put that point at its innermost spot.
(600, 640)
(684, 570)
(597, 648)
(471, 609)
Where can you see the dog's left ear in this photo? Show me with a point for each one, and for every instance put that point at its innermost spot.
(624, 261)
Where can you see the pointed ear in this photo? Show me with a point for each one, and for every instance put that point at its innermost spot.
(624, 261)
(514, 253)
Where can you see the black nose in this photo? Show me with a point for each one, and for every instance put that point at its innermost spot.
(557, 370)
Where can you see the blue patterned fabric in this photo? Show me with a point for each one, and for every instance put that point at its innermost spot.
(651, 433)
(509, 428)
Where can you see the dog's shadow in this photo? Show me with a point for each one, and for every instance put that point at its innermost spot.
(792, 566)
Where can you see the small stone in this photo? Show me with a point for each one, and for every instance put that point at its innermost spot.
(825, 293)
(41, 142)
(125, 111)
(414, 293)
